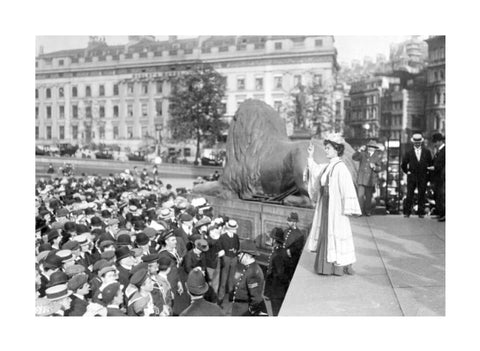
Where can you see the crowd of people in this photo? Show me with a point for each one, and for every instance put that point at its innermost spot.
(126, 245)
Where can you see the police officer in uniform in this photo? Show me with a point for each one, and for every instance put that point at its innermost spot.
(277, 282)
(293, 244)
(249, 282)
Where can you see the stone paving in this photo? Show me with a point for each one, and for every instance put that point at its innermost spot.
(400, 271)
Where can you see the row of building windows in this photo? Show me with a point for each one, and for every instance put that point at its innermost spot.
(369, 113)
(144, 89)
(101, 111)
(75, 132)
(439, 98)
(437, 75)
(364, 100)
(437, 54)
(277, 82)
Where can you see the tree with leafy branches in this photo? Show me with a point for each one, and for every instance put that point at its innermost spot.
(311, 107)
(196, 107)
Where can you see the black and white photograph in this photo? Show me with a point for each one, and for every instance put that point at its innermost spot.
(240, 175)
(214, 160)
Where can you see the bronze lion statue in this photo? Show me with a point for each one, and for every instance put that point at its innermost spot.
(262, 161)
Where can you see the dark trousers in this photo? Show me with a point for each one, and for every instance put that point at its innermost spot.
(227, 276)
(439, 189)
(365, 198)
(276, 305)
(413, 184)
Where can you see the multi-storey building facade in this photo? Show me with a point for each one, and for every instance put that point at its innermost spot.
(119, 94)
(436, 84)
(365, 108)
(403, 113)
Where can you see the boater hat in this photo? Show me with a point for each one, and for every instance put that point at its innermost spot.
(373, 144)
(417, 138)
(57, 292)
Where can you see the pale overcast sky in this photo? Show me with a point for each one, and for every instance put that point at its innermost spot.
(349, 47)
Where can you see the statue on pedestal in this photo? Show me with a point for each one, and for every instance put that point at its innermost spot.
(263, 161)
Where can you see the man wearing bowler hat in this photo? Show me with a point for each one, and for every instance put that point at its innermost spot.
(415, 164)
(293, 244)
(249, 282)
(197, 287)
(370, 158)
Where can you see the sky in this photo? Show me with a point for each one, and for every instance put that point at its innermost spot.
(348, 47)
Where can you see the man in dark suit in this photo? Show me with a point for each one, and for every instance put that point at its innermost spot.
(415, 164)
(197, 287)
(370, 159)
(438, 175)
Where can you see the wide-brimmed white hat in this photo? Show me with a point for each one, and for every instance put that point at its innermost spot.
(337, 138)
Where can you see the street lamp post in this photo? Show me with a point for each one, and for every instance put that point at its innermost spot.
(366, 128)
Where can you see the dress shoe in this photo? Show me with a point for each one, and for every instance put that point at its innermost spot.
(421, 216)
(406, 215)
(349, 270)
(338, 270)
(441, 219)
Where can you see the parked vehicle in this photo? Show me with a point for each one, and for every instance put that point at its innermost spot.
(67, 149)
(136, 156)
(210, 162)
(42, 150)
(104, 155)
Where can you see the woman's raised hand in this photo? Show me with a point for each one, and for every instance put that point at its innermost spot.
(310, 149)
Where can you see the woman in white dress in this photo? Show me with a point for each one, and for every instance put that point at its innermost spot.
(331, 187)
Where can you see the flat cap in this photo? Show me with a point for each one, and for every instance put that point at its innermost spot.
(71, 245)
(106, 269)
(108, 255)
(77, 281)
(150, 258)
(185, 217)
(150, 232)
(139, 277)
(109, 292)
(74, 269)
(202, 222)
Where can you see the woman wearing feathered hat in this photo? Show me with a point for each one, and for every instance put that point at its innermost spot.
(330, 186)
